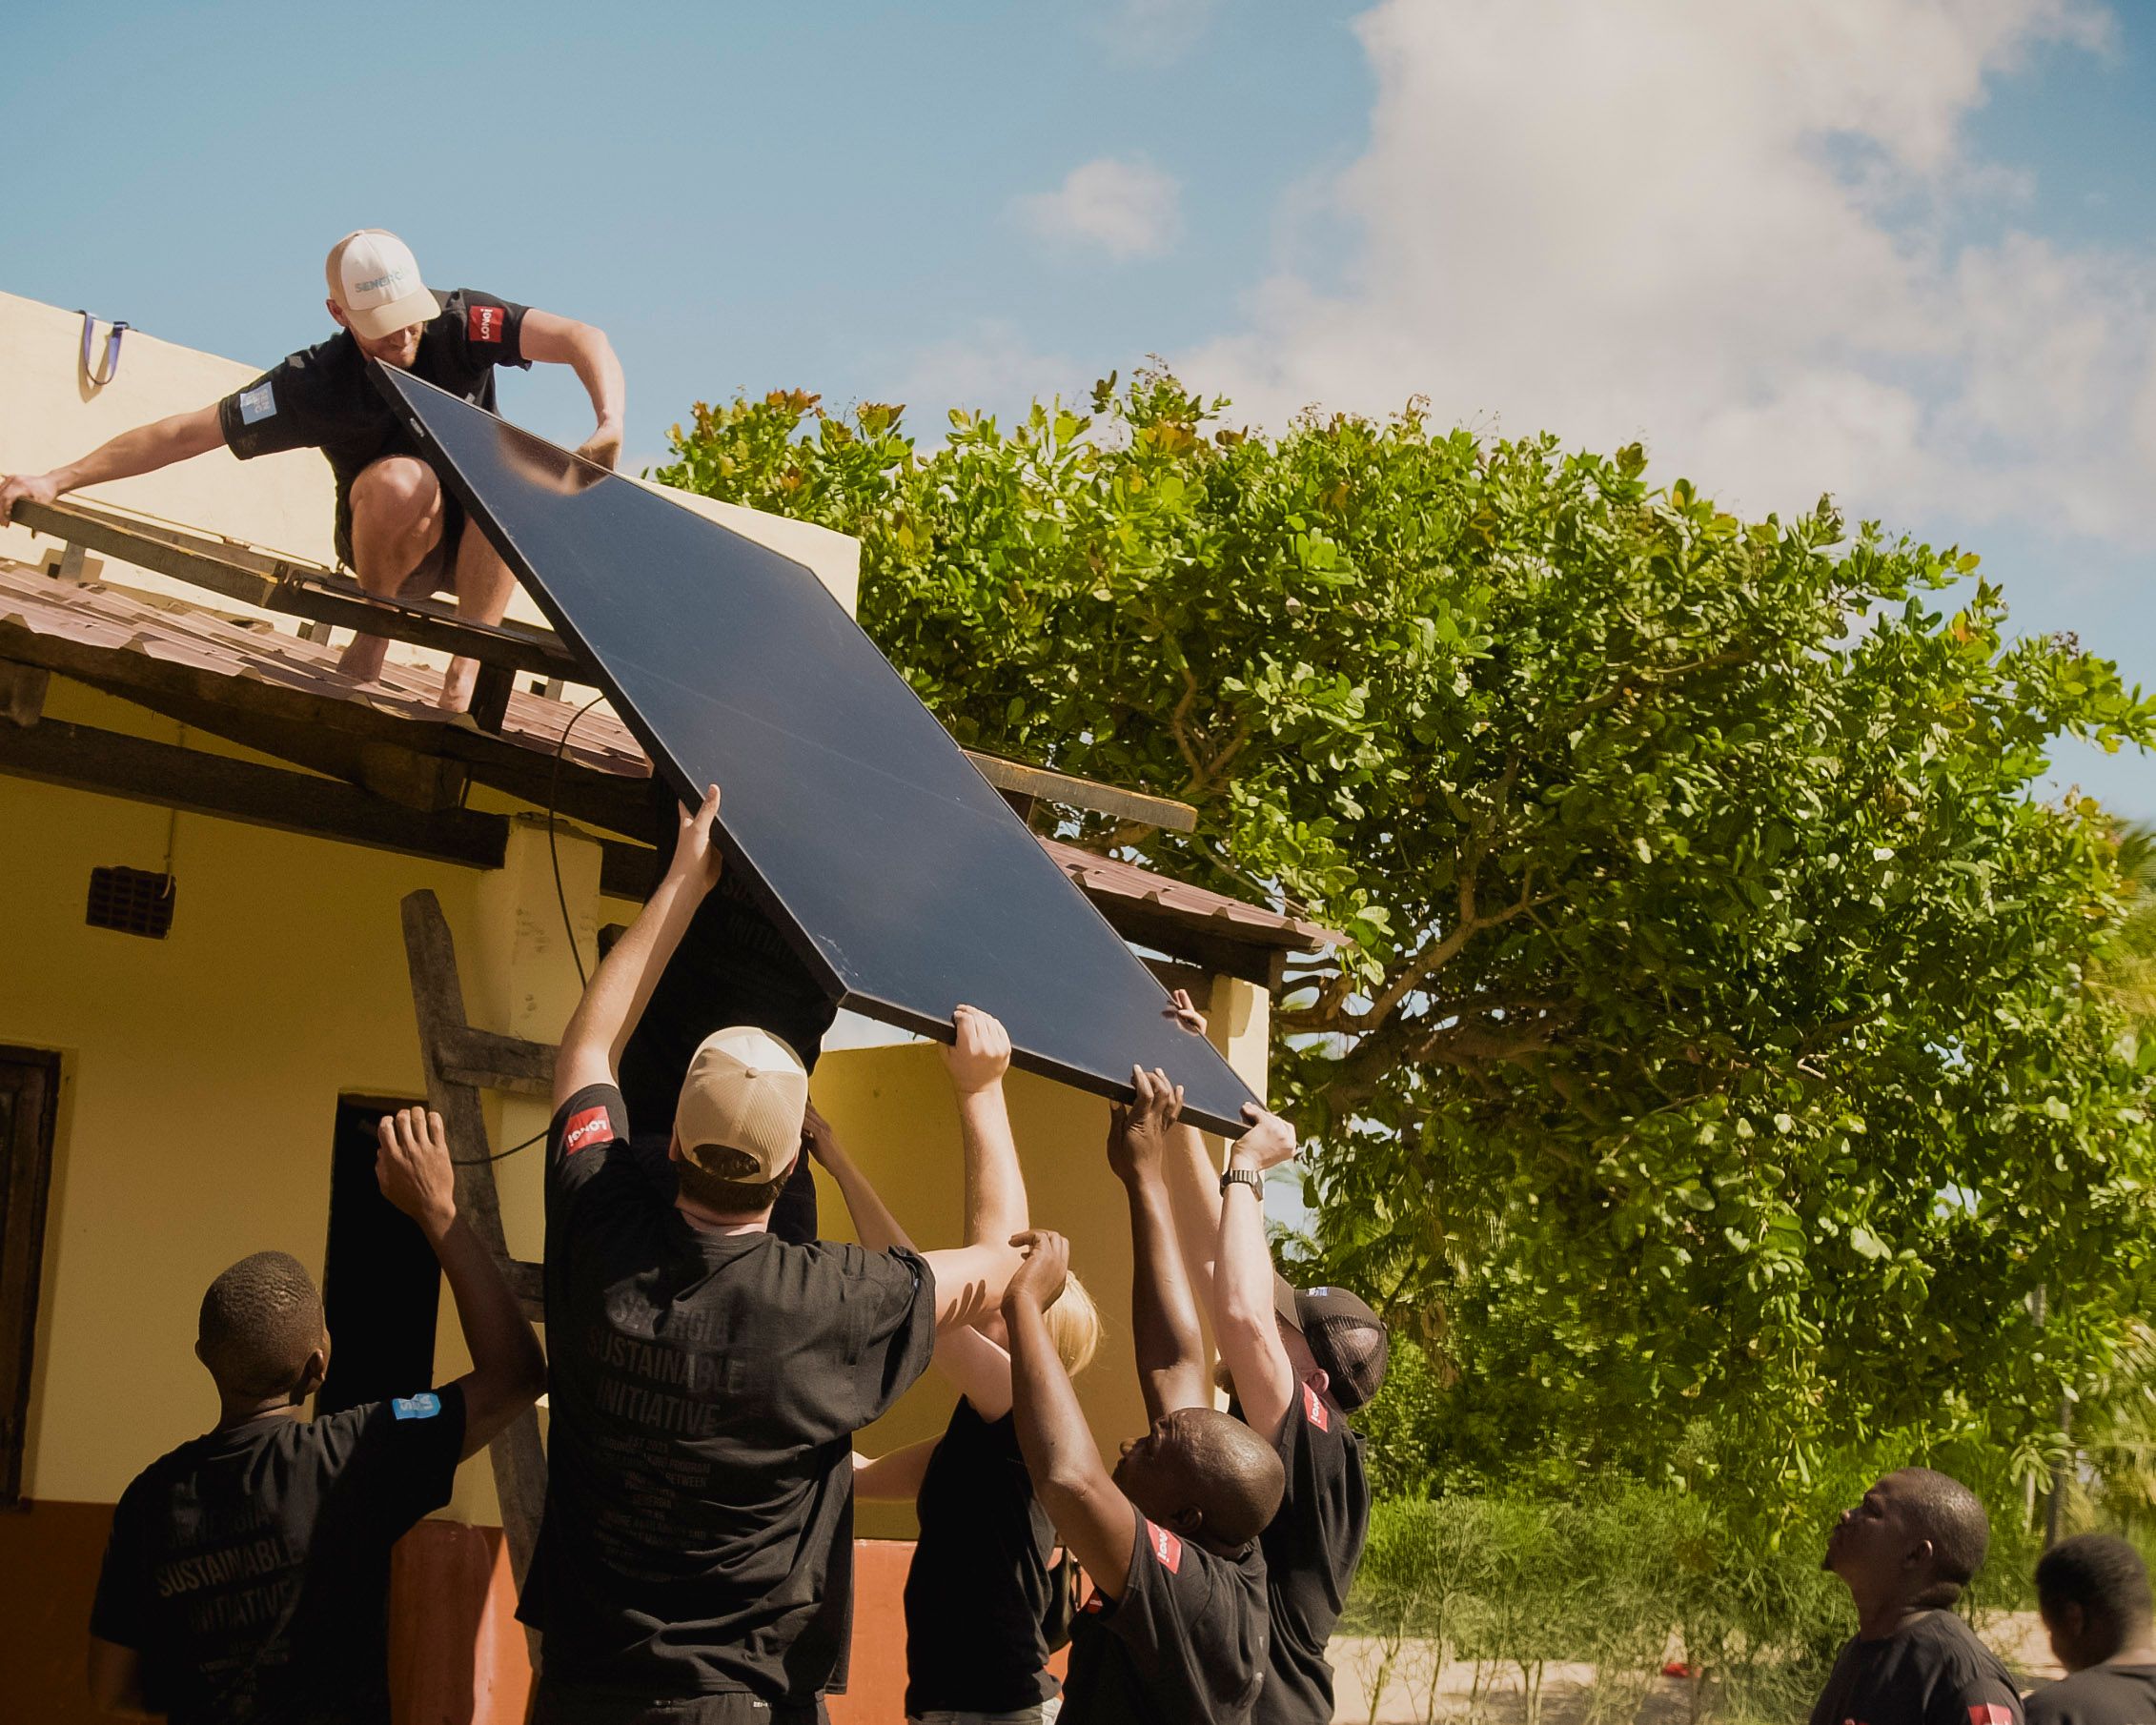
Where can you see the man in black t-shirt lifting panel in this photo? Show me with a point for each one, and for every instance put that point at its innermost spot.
(397, 526)
(1907, 1550)
(2093, 1594)
(706, 1377)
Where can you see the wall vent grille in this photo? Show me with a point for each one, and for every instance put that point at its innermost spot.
(134, 900)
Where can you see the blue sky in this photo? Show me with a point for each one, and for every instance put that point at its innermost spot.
(1840, 244)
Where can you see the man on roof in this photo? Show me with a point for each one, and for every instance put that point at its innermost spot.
(398, 528)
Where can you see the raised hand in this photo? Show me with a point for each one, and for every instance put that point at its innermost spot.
(412, 1167)
(1183, 1013)
(1137, 1136)
(818, 1140)
(1270, 1141)
(697, 858)
(1046, 1265)
(981, 1055)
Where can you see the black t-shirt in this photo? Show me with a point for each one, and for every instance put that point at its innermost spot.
(1186, 1644)
(1312, 1551)
(979, 1592)
(321, 398)
(250, 1568)
(2103, 1694)
(705, 1391)
(1932, 1671)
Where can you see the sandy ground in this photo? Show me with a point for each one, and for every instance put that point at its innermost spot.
(2017, 1637)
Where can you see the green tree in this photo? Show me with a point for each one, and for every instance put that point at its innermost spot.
(1713, 1048)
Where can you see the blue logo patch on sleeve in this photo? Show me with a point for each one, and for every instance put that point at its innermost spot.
(423, 1406)
(257, 403)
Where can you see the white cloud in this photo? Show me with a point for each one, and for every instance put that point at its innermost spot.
(991, 368)
(1741, 231)
(1125, 208)
(1155, 30)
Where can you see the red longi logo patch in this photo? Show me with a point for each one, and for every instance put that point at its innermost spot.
(1313, 1410)
(1989, 1713)
(586, 1129)
(1167, 1547)
(483, 323)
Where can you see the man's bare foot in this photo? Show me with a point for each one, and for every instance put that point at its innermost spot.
(456, 685)
(363, 659)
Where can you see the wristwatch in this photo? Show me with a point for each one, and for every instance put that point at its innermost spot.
(1248, 1177)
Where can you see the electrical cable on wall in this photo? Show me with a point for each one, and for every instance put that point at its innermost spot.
(560, 898)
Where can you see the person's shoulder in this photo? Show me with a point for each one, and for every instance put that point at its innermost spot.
(2066, 1699)
(156, 1481)
(335, 353)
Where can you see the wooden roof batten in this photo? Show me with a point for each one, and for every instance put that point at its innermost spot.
(293, 587)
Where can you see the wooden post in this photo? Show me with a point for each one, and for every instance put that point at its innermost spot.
(451, 1051)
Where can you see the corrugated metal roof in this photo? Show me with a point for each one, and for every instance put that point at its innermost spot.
(109, 618)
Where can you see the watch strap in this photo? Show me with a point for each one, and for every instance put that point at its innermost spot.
(1248, 1177)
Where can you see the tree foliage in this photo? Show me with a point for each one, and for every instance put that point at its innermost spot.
(1712, 1047)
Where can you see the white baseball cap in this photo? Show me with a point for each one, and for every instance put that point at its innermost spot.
(740, 1110)
(375, 278)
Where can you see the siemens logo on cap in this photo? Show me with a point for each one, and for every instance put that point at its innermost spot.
(381, 281)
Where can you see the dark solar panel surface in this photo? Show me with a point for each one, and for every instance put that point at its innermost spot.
(907, 884)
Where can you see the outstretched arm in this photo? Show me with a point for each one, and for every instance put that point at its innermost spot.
(1194, 1181)
(622, 986)
(142, 450)
(1163, 1318)
(115, 1680)
(508, 1370)
(1243, 1317)
(995, 1188)
(873, 1222)
(895, 1477)
(584, 347)
(969, 1280)
(1096, 1520)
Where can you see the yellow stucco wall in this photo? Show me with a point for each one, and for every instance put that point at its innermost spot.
(201, 1074)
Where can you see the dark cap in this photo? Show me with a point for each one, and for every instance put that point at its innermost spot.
(1344, 1337)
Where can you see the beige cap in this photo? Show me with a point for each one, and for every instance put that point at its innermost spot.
(742, 1105)
(375, 278)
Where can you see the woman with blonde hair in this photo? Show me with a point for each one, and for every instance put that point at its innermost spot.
(985, 1601)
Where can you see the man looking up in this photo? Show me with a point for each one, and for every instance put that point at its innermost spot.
(1298, 1363)
(1177, 1633)
(2093, 1593)
(247, 1575)
(1913, 1542)
(397, 526)
(707, 1378)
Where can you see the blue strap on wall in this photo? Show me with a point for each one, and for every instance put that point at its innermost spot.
(99, 376)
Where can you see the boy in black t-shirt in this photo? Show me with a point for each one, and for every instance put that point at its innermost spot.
(1175, 1633)
(707, 1378)
(1906, 1551)
(247, 1575)
(397, 526)
(1298, 1363)
(2093, 1594)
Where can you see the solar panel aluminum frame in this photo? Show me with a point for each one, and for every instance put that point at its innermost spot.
(407, 395)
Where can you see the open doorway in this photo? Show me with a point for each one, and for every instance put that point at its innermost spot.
(380, 1283)
(30, 1098)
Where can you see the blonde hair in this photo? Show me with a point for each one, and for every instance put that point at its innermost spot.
(1074, 1324)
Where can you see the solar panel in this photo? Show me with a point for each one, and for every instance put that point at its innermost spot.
(905, 882)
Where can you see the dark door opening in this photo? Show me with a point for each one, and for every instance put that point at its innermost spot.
(29, 1100)
(380, 1284)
